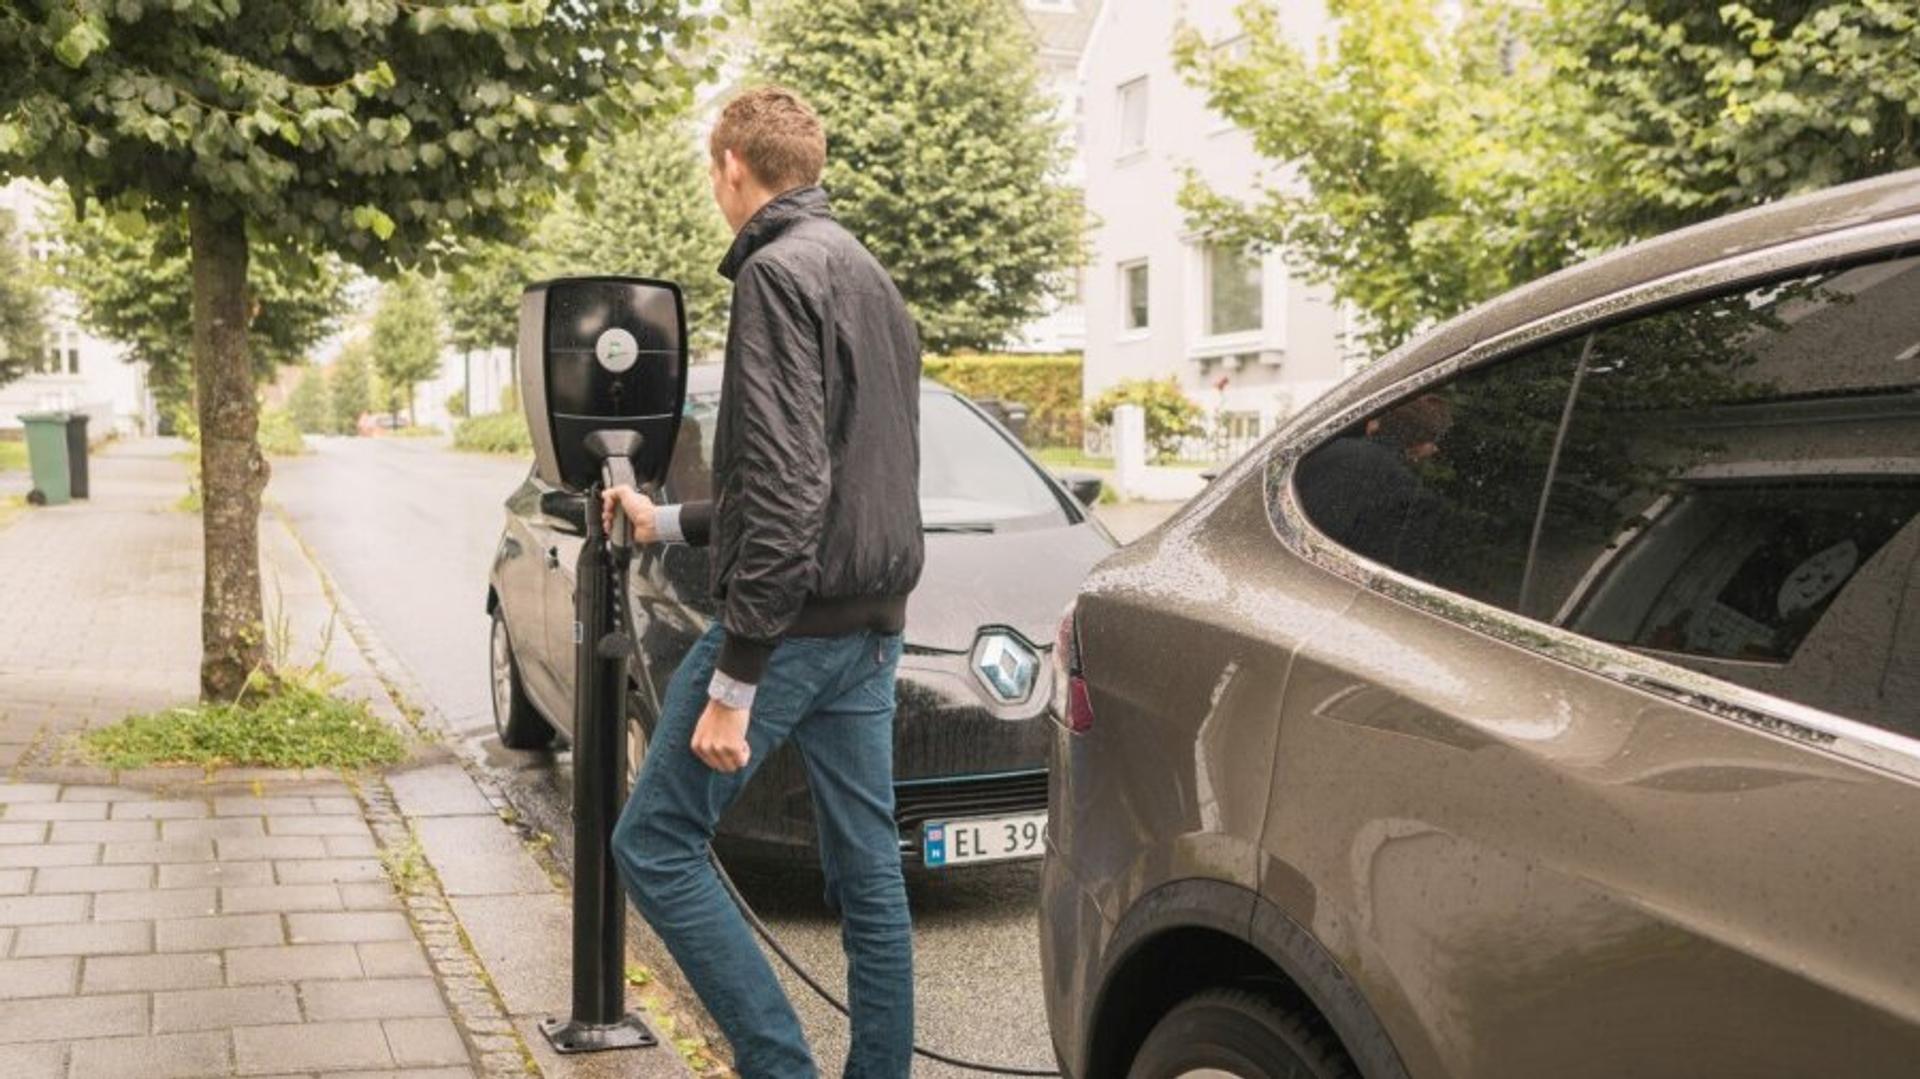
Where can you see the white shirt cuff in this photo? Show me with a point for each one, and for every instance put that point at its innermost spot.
(666, 523)
(730, 691)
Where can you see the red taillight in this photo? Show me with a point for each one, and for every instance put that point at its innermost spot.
(1072, 707)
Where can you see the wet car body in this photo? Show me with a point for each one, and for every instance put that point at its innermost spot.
(1636, 800)
(962, 750)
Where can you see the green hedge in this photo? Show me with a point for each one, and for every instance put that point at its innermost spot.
(1049, 385)
(499, 432)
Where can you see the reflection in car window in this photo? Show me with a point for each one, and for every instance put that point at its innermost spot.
(1740, 492)
(1733, 484)
(1445, 486)
(970, 475)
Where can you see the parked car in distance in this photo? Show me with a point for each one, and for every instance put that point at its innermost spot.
(1545, 701)
(1007, 544)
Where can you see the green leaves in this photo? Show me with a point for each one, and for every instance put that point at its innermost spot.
(944, 156)
(406, 337)
(1444, 162)
(358, 126)
(374, 220)
(84, 38)
(23, 306)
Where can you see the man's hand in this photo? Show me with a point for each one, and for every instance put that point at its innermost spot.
(720, 738)
(638, 508)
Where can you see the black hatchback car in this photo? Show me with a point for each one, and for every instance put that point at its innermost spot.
(1007, 544)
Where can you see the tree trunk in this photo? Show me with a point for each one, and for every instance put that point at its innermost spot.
(412, 419)
(233, 471)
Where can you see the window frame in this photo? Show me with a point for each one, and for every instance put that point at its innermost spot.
(1126, 331)
(1211, 341)
(1799, 723)
(1124, 150)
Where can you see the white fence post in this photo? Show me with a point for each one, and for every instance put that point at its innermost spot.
(1130, 450)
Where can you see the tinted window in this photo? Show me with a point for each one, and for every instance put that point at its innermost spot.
(1733, 484)
(1445, 487)
(1740, 492)
(971, 476)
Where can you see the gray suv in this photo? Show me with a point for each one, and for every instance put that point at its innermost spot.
(1544, 701)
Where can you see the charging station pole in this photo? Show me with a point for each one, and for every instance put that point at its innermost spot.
(600, 1018)
(603, 378)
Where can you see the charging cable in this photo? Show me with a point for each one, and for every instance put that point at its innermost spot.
(821, 991)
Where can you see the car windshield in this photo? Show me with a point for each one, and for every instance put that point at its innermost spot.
(971, 477)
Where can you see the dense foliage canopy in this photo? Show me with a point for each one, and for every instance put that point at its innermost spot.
(943, 154)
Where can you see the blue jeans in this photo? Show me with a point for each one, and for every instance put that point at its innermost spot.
(834, 697)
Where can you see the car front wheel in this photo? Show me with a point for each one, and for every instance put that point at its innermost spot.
(514, 717)
(1231, 1032)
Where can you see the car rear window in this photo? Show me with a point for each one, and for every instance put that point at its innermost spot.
(1732, 484)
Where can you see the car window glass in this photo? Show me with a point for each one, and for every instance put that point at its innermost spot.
(1738, 491)
(1446, 486)
(970, 475)
(690, 474)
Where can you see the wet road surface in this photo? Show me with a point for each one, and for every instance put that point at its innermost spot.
(407, 529)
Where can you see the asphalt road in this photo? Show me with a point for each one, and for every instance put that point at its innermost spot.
(407, 529)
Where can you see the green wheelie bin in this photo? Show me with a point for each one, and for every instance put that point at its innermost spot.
(47, 457)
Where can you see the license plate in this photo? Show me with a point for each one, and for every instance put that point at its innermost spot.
(983, 839)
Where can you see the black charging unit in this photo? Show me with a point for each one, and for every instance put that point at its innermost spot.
(603, 380)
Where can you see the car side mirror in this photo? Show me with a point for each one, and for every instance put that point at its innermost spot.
(565, 510)
(1086, 488)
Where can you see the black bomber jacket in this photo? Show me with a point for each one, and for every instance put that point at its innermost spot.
(815, 521)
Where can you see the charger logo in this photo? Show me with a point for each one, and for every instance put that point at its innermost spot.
(616, 350)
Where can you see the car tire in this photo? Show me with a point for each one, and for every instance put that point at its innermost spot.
(518, 723)
(1238, 1033)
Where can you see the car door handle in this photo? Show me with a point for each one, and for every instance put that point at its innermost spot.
(553, 558)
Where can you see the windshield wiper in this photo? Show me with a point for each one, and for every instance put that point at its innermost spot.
(971, 527)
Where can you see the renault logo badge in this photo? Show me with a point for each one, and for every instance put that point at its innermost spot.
(1006, 665)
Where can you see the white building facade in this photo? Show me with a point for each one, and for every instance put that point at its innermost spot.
(1246, 339)
(76, 371)
(1061, 31)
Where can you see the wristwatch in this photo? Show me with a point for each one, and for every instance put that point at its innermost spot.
(730, 691)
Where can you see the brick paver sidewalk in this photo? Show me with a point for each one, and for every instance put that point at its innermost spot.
(220, 933)
(163, 923)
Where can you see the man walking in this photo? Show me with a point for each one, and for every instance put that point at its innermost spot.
(816, 541)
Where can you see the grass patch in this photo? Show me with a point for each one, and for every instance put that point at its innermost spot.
(13, 456)
(406, 867)
(423, 430)
(1070, 457)
(294, 721)
(498, 432)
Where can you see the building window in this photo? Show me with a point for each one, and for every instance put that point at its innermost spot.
(1133, 296)
(1234, 291)
(1133, 115)
(73, 361)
